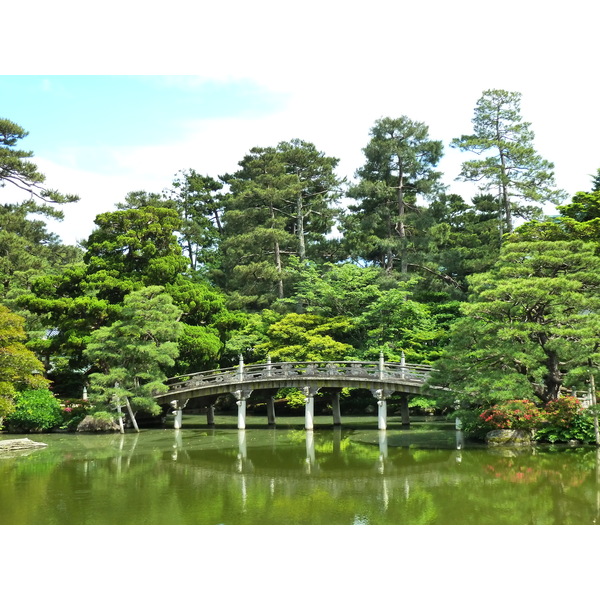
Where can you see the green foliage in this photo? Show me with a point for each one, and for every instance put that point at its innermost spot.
(335, 289)
(137, 245)
(198, 201)
(566, 420)
(531, 321)
(305, 337)
(19, 368)
(293, 396)
(132, 352)
(425, 404)
(249, 337)
(399, 166)
(35, 410)
(16, 169)
(394, 323)
(279, 206)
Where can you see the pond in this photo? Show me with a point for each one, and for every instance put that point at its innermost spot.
(425, 474)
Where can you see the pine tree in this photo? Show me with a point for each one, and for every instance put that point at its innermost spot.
(399, 167)
(133, 352)
(509, 166)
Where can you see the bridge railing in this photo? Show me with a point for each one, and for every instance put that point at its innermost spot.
(305, 370)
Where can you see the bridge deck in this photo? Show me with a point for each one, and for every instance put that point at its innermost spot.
(336, 374)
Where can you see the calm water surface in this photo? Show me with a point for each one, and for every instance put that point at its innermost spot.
(353, 475)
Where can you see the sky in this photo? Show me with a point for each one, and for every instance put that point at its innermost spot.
(122, 97)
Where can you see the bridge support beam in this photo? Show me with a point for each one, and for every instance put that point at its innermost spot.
(241, 397)
(309, 412)
(271, 411)
(337, 415)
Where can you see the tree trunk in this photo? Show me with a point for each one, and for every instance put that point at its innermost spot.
(131, 415)
(120, 418)
(401, 227)
(593, 400)
(503, 185)
(278, 266)
(300, 228)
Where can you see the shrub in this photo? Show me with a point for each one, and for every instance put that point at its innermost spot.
(74, 411)
(35, 411)
(512, 414)
(566, 419)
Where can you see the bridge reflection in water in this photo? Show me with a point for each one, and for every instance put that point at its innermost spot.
(382, 379)
(321, 461)
(243, 463)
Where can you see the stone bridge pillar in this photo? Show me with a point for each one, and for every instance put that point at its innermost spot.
(337, 415)
(178, 407)
(381, 396)
(404, 411)
(210, 415)
(271, 411)
(309, 413)
(241, 397)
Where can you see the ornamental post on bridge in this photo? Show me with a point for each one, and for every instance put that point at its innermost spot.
(241, 369)
(268, 369)
(402, 365)
(381, 365)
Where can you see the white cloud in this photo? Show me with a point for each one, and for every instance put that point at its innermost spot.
(342, 66)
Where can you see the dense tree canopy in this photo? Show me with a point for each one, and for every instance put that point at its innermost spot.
(532, 321)
(266, 261)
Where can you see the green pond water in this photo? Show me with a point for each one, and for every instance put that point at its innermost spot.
(351, 475)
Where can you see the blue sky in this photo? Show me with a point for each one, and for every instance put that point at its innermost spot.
(118, 105)
(98, 112)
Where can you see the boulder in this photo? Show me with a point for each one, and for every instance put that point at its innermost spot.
(93, 423)
(20, 444)
(508, 437)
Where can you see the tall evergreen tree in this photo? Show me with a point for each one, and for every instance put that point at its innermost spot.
(399, 167)
(279, 206)
(199, 202)
(313, 211)
(509, 164)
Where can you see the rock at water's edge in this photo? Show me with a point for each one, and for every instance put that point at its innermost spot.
(20, 444)
(94, 424)
(508, 437)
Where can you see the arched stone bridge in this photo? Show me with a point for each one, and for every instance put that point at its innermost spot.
(381, 378)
